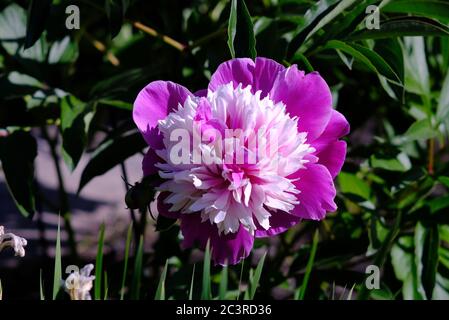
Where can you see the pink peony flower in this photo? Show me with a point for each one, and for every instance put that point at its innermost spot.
(276, 168)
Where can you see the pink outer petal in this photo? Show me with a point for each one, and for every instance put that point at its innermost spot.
(333, 157)
(317, 192)
(306, 96)
(265, 74)
(279, 222)
(226, 249)
(330, 151)
(152, 104)
(148, 162)
(337, 127)
(260, 74)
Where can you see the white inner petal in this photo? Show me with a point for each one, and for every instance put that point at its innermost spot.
(245, 177)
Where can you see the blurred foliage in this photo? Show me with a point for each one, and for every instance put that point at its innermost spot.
(391, 83)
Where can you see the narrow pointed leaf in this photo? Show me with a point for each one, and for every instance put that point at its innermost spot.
(57, 274)
(99, 264)
(241, 39)
(160, 292)
(206, 293)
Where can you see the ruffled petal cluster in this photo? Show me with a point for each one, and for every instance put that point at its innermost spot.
(249, 157)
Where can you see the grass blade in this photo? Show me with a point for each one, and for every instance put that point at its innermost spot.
(99, 264)
(57, 275)
(206, 290)
(240, 280)
(254, 283)
(41, 287)
(106, 287)
(342, 295)
(1, 290)
(309, 266)
(135, 287)
(160, 292)
(125, 267)
(349, 297)
(191, 284)
(223, 283)
(246, 294)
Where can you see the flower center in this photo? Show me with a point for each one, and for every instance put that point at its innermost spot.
(229, 156)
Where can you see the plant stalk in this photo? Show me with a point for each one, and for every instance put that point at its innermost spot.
(63, 197)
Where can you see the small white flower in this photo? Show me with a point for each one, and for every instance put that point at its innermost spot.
(13, 241)
(79, 284)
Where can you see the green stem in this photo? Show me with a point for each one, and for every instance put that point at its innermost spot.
(131, 211)
(63, 197)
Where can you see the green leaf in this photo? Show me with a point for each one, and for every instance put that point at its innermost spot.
(426, 8)
(191, 284)
(106, 286)
(12, 28)
(223, 283)
(41, 287)
(335, 12)
(350, 183)
(13, 21)
(309, 266)
(416, 70)
(18, 85)
(160, 292)
(420, 130)
(75, 121)
(137, 278)
(404, 26)
(445, 53)
(347, 21)
(444, 180)
(110, 153)
(206, 293)
(115, 11)
(117, 104)
(391, 50)
(405, 268)
(367, 57)
(99, 264)
(438, 204)
(426, 250)
(241, 39)
(303, 61)
(17, 153)
(126, 258)
(64, 51)
(401, 163)
(254, 283)
(311, 18)
(113, 86)
(57, 275)
(443, 101)
(38, 12)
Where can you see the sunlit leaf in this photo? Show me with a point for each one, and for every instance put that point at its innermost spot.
(75, 121)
